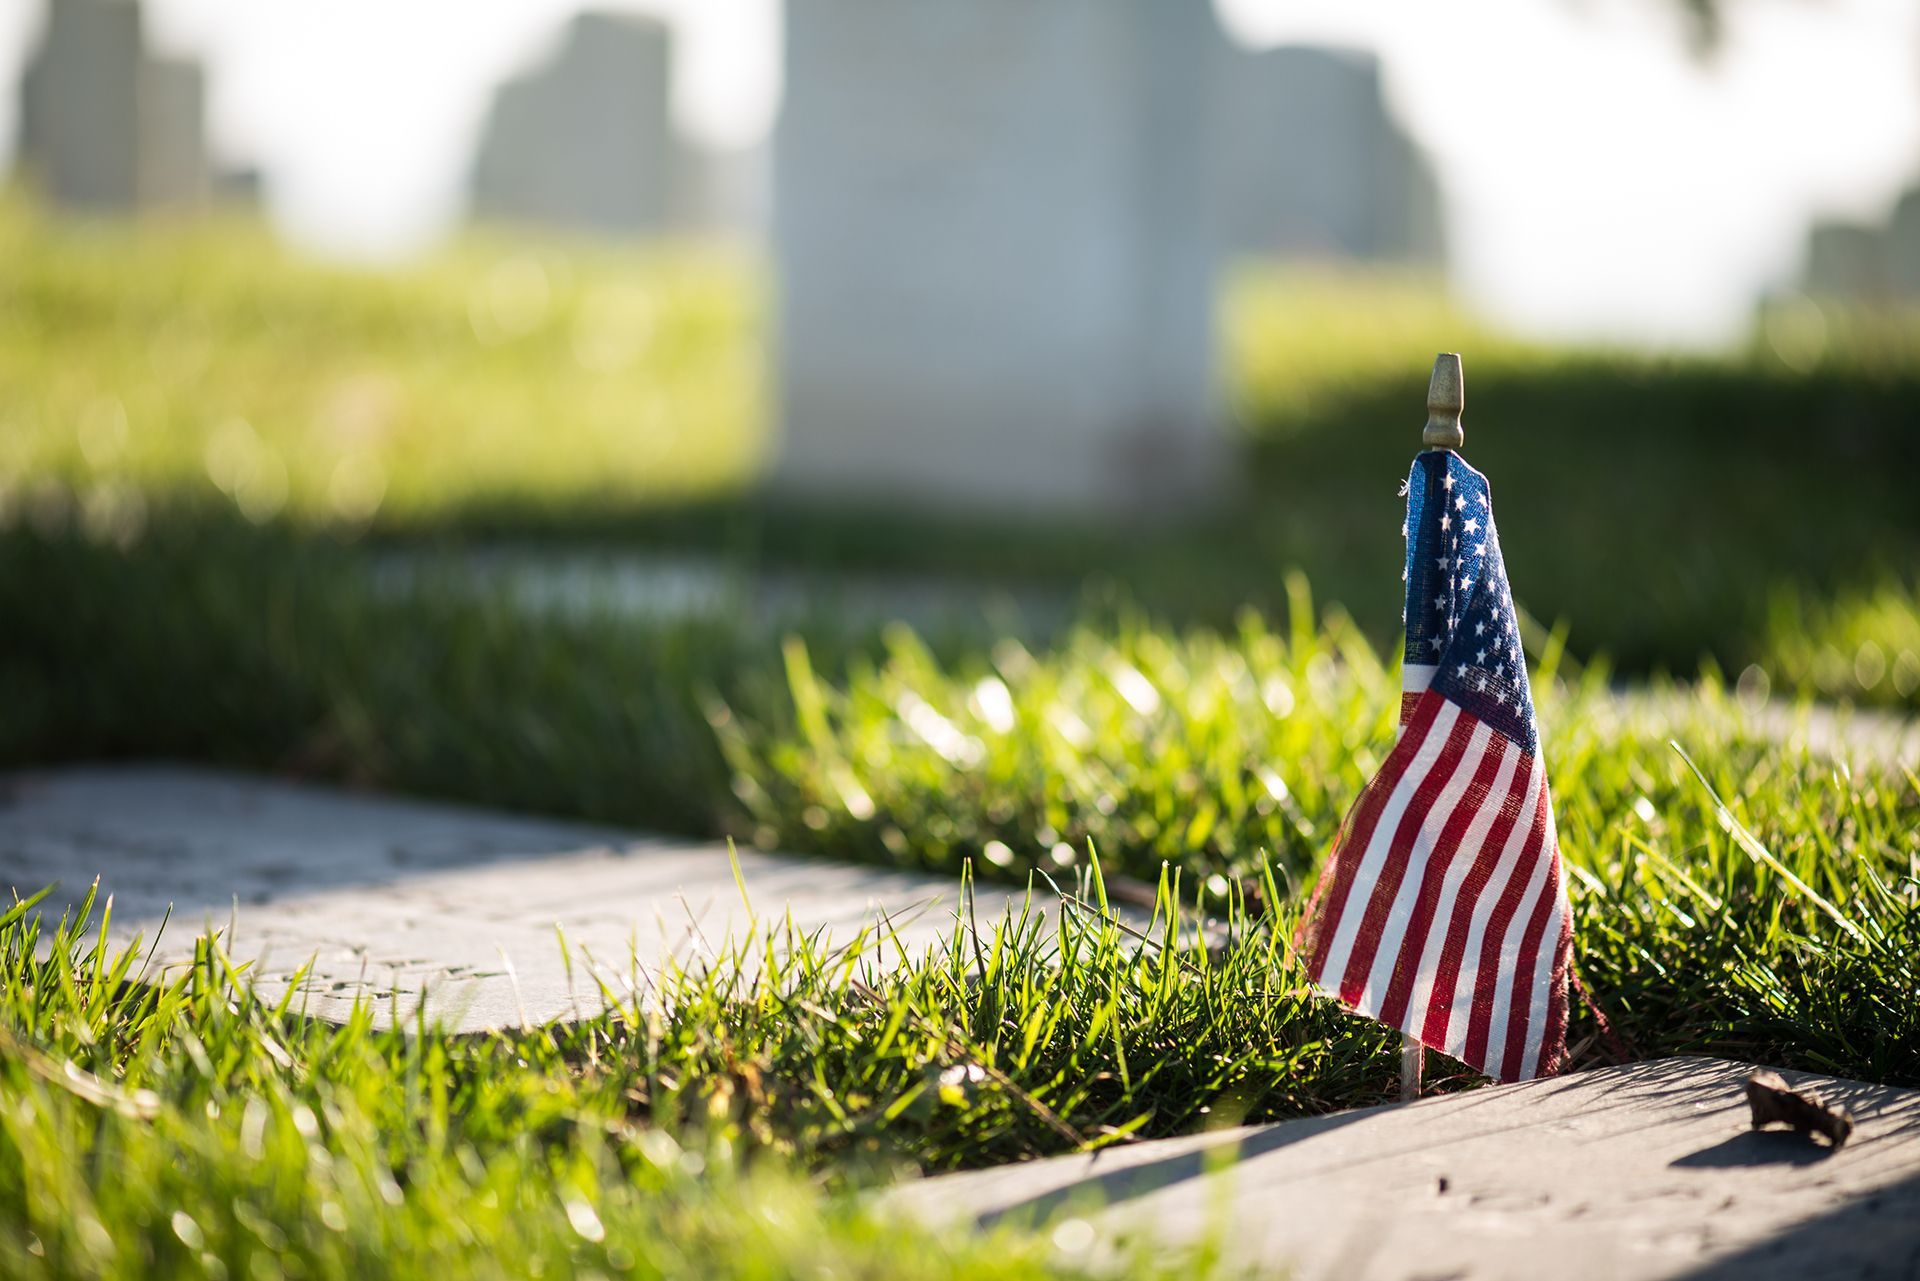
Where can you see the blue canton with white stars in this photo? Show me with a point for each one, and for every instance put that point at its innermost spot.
(1459, 612)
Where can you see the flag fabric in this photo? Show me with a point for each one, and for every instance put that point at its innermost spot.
(1443, 909)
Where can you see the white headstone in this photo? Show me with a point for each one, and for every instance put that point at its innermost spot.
(586, 139)
(1903, 246)
(1846, 260)
(995, 276)
(174, 172)
(1312, 163)
(722, 191)
(105, 127)
(80, 105)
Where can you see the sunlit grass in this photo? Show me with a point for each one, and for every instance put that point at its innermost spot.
(175, 1125)
(1766, 906)
(144, 366)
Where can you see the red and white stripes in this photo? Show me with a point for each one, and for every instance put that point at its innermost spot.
(1443, 909)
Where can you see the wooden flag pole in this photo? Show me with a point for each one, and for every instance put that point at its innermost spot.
(1446, 401)
(1413, 1057)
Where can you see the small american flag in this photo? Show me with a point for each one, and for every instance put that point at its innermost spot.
(1443, 908)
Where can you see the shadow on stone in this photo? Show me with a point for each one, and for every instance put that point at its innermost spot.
(1128, 1182)
(1757, 1147)
(1873, 1235)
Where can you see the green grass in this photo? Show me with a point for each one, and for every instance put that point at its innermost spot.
(1735, 891)
(266, 650)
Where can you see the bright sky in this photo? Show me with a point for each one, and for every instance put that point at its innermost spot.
(1598, 181)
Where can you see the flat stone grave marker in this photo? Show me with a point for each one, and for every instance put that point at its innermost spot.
(398, 897)
(1638, 1172)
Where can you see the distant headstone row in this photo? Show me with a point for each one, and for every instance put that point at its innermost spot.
(1304, 158)
(998, 226)
(999, 223)
(584, 141)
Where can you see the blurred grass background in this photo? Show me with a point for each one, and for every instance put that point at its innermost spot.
(1751, 508)
(210, 451)
(199, 358)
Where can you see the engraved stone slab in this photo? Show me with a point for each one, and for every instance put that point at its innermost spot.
(401, 898)
(1644, 1171)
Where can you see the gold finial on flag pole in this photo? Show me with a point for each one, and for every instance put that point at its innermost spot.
(1446, 399)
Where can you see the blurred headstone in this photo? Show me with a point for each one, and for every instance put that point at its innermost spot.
(173, 149)
(993, 230)
(586, 139)
(1846, 260)
(1903, 246)
(237, 185)
(104, 126)
(721, 190)
(1313, 164)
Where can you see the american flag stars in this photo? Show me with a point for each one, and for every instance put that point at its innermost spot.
(1465, 578)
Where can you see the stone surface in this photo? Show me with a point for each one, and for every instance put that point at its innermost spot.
(104, 126)
(1311, 162)
(995, 271)
(402, 897)
(585, 140)
(1647, 1171)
